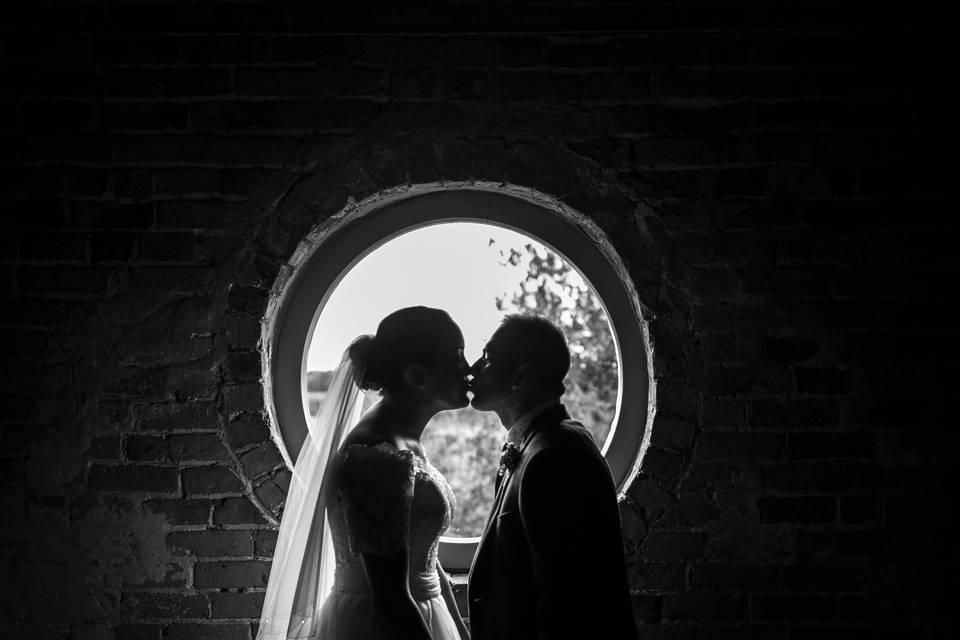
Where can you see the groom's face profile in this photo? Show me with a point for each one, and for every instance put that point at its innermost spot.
(492, 383)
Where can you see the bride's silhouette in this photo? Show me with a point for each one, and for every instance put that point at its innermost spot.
(357, 551)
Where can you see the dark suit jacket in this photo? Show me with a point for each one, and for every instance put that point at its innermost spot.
(550, 562)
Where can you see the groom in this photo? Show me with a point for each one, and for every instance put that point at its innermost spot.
(550, 562)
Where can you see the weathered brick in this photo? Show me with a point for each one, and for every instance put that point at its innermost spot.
(813, 476)
(211, 542)
(257, 150)
(237, 605)
(179, 511)
(236, 511)
(218, 47)
(205, 447)
(811, 446)
(724, 577)
(664, 151)
(174, 246)
(687, 513)
(265, 542)
(210, 480)
(186, 416)
(60, 115)
(247, 428)
(262, 459)
(143, 116)
(793, 414)
(105, 447)
(739, 447)
(659, 463)
(647, 608)
(111, 246)
(111, 48)
(668, 183)
(67, 147)
(146, 448)
(657, 575)
(734, 117)
(808, 509)
(243, 367)
(94, 215)
(66, 282)
(232, 574)
(243, 397)
(532, 86)
(673, 545)
(653, 50)
(831, 545)
(242, 329)
(858, 510)
(165, 605)
(522, 51)
(207, 631)
(821, 578)
(52, 246)
(792, 607)
(178, 280)
(580, 54)
(704, 606)
(741, 182)
(138, 631)
(825, 381)
(133, 478)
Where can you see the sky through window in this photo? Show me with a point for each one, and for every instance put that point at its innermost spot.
(459, 267)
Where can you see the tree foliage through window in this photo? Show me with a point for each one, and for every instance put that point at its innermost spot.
(465, 444)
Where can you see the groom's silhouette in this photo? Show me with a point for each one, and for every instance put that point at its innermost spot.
(550, 562)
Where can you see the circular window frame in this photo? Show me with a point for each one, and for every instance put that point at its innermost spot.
(337, 245)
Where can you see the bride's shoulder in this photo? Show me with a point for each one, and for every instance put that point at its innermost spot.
(375, 468)
(365, 450)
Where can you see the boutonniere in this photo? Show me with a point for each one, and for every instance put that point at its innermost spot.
(509, 456)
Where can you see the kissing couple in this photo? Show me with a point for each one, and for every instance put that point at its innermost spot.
(356, 555)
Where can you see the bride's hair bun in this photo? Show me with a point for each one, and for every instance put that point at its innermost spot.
(406, 336)
(366, 363)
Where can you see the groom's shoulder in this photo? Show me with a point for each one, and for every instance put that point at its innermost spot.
(569, 435)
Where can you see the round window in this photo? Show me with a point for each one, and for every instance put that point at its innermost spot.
(479, 255)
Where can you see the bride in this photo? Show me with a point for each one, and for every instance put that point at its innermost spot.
(356, 555)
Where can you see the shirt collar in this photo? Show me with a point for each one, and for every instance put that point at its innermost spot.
(519, 429)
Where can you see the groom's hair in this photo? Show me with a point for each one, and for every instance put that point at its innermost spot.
(534, 339)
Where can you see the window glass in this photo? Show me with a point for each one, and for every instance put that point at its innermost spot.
(478, 273)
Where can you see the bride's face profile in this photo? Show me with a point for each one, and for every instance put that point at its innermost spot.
(446, 375)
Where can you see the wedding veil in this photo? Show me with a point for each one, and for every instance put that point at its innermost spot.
(302, 571)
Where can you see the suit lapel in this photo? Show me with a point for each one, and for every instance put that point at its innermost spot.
(550, 416)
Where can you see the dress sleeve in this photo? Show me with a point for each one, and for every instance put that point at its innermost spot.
(377, 486)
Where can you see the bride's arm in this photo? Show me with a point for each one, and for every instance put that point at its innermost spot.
(387, 576)
(377, 483)
(451, 601)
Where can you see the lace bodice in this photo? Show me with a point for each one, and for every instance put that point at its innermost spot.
(387, 500)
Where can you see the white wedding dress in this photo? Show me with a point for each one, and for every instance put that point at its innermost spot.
(372, 499)
(387, 500)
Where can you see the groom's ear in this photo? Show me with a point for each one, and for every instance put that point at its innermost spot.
(523, 376)
(414, 375)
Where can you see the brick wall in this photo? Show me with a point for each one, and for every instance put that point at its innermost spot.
(765, 172)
